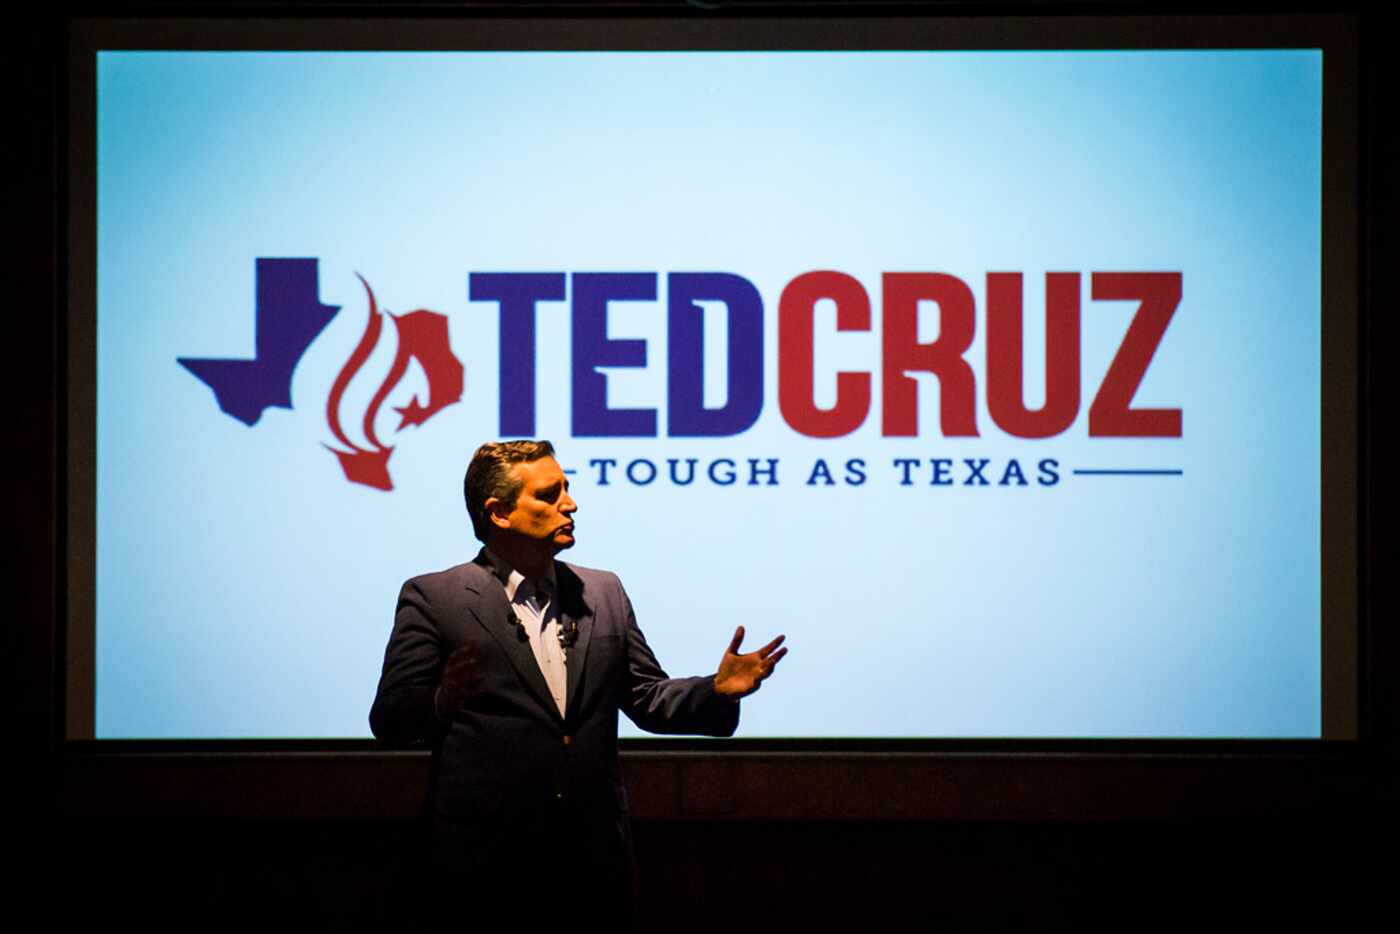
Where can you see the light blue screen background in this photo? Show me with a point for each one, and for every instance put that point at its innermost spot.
(245, 589)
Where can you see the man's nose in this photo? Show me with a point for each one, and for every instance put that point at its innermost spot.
(568, 504)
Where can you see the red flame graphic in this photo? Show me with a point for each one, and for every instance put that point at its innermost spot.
(423, 337)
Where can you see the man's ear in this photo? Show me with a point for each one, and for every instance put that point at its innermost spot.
(497, 512)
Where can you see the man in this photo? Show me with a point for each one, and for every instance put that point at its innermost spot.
(512, 669)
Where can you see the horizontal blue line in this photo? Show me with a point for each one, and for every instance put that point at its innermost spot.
(1128, 473)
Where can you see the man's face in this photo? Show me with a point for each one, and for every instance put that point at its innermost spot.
(544, 510)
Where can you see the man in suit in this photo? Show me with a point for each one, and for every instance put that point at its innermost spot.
(512, 669)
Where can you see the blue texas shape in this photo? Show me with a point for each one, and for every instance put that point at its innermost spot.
(288, 319)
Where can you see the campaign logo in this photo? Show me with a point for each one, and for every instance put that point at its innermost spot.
(288, 318)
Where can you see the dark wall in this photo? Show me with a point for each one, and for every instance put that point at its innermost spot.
(953, 876)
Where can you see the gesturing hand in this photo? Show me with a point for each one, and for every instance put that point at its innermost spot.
(458, 682)
(740, 675)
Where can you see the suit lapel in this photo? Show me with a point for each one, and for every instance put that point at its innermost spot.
(494, 614)
(573, 611)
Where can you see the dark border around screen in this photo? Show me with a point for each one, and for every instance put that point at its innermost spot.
(997, 777)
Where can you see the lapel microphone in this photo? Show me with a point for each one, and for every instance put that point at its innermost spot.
(568, 629)
(519, 625)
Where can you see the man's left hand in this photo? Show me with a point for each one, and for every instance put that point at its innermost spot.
(740, 675)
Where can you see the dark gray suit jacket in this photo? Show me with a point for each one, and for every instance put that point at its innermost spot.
(508, 754)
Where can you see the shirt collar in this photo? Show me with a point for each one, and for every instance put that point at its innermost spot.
(511, 579)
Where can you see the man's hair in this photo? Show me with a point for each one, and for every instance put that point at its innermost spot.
(488, 475)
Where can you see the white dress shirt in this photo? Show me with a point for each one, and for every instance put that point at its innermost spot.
(536, 606)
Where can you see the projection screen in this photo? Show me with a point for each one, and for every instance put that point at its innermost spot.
(994, 378)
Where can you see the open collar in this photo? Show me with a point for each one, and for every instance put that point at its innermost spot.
(494, 613)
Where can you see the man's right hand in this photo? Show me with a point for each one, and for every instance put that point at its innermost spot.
(458, 682)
